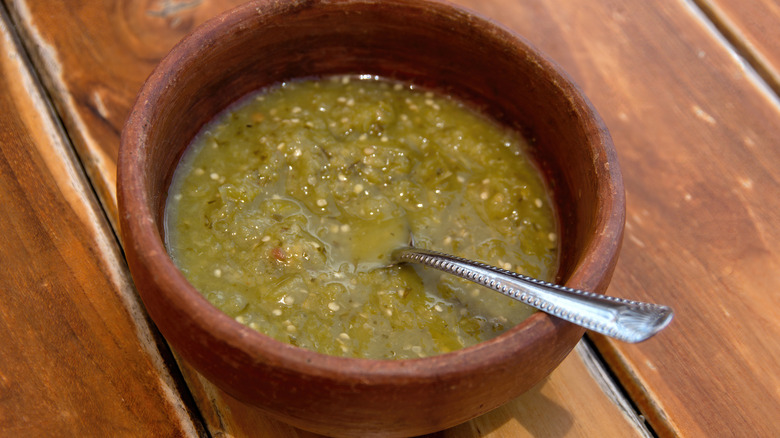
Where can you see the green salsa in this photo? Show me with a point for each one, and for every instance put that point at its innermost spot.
(285, 209)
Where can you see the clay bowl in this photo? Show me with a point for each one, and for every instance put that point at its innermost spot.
(433, 44)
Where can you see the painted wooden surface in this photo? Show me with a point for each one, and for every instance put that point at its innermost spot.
(77, 354)
(695, 130)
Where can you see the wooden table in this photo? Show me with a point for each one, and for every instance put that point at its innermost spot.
(688, 88)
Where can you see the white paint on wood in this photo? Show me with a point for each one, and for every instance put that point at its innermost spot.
(61, 162)
(597, 369)
(47, 54)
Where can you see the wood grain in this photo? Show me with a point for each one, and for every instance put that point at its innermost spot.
(543, 411)
(697, 141)
(696, 135)
(90, 70)
(79, 357)
(93, 59)
(752, 28)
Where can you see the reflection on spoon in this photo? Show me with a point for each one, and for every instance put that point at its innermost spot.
(625, 320)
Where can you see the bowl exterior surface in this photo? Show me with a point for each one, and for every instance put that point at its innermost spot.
(430, 43)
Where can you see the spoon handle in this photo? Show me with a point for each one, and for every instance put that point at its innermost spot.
(625, 320)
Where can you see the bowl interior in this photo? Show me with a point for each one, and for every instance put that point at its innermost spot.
(428, 43)
(498, 75)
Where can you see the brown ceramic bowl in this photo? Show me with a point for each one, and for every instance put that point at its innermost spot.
(433, 44)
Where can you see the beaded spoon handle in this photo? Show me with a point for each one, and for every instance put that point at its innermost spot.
(625, 320)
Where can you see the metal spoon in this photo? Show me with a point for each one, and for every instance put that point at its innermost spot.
(625, 320)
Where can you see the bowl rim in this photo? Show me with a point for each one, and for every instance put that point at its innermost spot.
(140, 232)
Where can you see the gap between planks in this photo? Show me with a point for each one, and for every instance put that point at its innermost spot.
(44, 65)
(83, 193)
(756, 67)
(611, 386)
(596, 367)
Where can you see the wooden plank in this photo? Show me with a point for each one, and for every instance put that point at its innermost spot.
(94, 58)
(574, 401)
(538, 412)
(695, 134)
(697, 137)
(753, 28)
(78, 356)
(92, 71)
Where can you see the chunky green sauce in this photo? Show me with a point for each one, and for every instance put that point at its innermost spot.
(284, 210)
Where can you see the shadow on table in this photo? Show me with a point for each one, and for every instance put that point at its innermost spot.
(533, 412)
